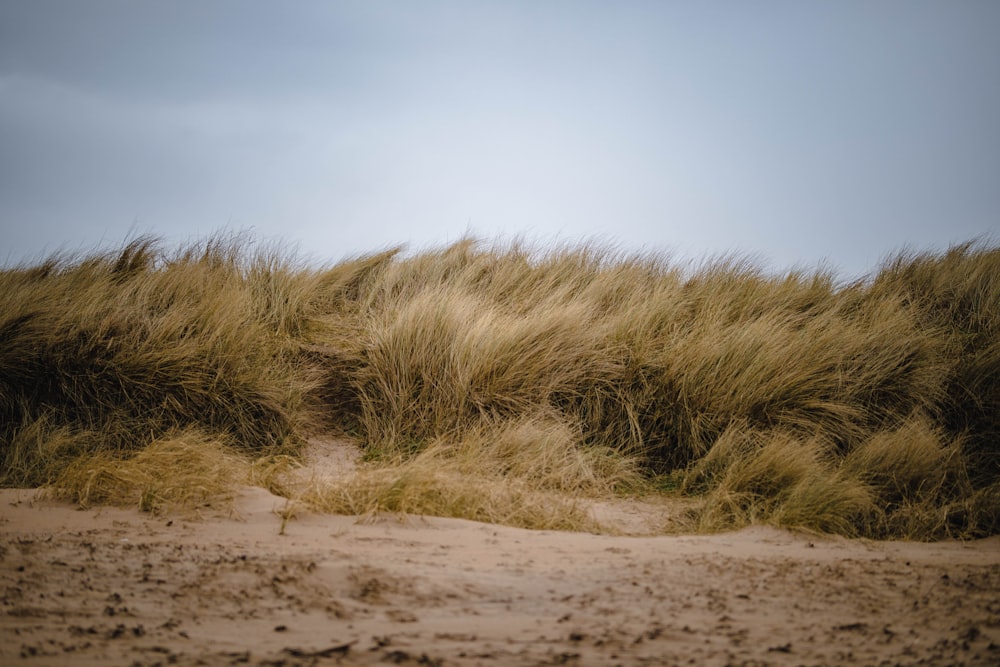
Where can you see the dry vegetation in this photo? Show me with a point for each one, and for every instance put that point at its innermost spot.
(508, 384)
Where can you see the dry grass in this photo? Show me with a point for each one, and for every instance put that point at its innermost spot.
(431, 485)
(201, 470)
(507, 384)
(528, 472)
(111, 352)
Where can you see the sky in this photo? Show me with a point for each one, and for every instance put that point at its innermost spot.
(802, 134)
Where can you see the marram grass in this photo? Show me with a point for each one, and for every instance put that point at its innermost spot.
(511, 384)
(186, 469)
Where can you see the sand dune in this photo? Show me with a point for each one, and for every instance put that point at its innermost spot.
(117, 587)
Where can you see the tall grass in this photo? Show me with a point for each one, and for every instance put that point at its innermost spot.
(870, 408)
(111, 352)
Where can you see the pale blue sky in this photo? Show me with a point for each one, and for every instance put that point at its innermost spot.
(799, 132)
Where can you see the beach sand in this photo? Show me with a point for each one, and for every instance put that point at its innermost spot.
(111, 586)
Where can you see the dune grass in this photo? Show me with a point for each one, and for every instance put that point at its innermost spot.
(183, 470)
(529, 472)
(510, 384)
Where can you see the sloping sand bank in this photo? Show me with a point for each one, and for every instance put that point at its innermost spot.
(114, 587)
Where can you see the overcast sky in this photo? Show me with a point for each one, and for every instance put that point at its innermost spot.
(799, 132)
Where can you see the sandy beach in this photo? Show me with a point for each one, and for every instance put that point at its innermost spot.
(245, 587)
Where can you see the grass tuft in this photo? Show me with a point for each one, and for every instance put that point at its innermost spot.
(202, 471)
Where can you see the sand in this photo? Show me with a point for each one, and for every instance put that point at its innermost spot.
(119, 587)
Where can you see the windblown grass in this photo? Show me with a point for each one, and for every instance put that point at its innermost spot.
(435, 484)
(109, 353)
(200, 470)
(528, 473)
(507, 384)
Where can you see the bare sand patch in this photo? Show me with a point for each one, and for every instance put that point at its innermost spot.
(118, 587)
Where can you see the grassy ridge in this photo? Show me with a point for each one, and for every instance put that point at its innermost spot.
(536, 377)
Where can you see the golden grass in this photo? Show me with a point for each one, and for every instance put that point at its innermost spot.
(508, 384)
(199, 469)
(527, 473)
(430, 485)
